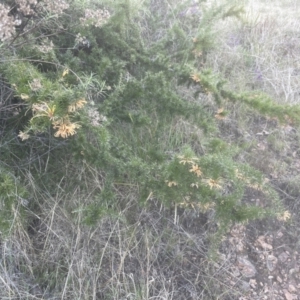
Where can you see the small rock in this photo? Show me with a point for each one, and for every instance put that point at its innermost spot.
(245, 286)
(261, 241)
(289, 296)
(253, 283)
(279, 234)
(238, 230)
(235, 272)
(237, 243)
(271, 262)
(279, 279)
(283, 256)
(246, 267)
(293, 271)
(291, 288)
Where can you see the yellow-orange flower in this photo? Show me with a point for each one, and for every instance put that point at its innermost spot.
(184, 160)
(239, 175)
(171, 183)
(195, 77)
(213, 183)
(24, 96)
(77, 105)
(220, 115)
(195, 169)
(65, 72)
(206, 206)
(285, 216)
(202, 206)
(23, 135)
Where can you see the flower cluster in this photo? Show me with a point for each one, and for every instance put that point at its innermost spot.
(95, 17)
(48, 111)
(79, 39)
(213, 183)
(195, 169)
(55, 6)
(24, 96)
(7, 24)
(23, 135)
(286, 215)
(26, 6)
(184, 160)
(247, 181)
(64, 127)
(44, 110)
(31, 7)
(220, 115)
(195, 77)
(204, 207)
(171, 183)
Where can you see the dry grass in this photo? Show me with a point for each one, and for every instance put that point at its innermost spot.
(137, 254)
(262, 51)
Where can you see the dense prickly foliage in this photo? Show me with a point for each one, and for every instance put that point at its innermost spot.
(118, 88)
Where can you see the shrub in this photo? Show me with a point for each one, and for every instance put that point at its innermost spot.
(114, 86)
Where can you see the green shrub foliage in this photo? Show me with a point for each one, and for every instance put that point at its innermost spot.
(119, 87)
(13, 199)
